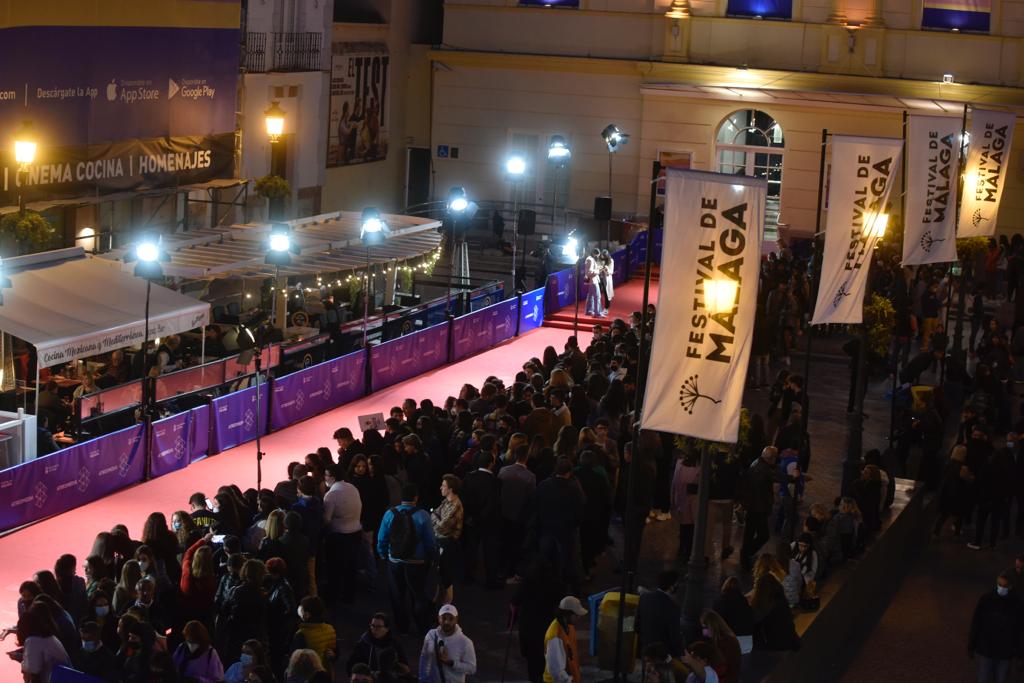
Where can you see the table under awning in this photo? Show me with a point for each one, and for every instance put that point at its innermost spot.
(69, 305)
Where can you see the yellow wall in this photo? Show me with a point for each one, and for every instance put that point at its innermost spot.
(169, 13)
(478, 107)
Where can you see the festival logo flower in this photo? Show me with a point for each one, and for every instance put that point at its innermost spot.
(689, 394)
(840, 295)
(927, 241)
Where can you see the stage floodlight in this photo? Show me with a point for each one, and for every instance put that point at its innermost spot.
(515, 167)
(558, 150)
(614, 137)
(457, 200)
(372, 229)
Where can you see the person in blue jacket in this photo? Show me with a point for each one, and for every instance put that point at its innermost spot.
(406, 539)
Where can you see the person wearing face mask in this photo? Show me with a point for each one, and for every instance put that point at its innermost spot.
(146, 590)
(196, 659)
(101, 612)
(253, 657)
(95, 658)
(995, 632)
(448, 656)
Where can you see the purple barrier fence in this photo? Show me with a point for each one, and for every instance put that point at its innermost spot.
(235, 419)
(559, 290)
(71, 477)
(199, 444)
(480, 330)
(403, 358)
(169, 447)
(317, 389)
(531, 313)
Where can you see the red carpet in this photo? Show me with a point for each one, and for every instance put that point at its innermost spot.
(37, 547)
(628, 298)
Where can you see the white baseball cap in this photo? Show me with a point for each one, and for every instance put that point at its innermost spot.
(449, 609)
(572, 604)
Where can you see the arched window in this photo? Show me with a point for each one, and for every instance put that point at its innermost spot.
(750, 143)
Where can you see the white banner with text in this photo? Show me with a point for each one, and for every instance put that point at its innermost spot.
(933, 167)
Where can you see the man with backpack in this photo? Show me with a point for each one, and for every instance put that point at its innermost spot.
(406, 539)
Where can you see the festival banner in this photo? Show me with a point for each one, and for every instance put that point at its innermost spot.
(235, 417)
(359, 101)
(988, 163)
(406, 357)
(859, 185)
(169, 444)
(71, 477)
(317, 389)
(933, 167)
(199, 441)
(699, 358)
(531, 313)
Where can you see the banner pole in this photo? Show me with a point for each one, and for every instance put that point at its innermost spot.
(895, 360)
(958, 328)
(641, 382)
(816, 266)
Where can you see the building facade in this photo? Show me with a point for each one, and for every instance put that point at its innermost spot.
(738, 86)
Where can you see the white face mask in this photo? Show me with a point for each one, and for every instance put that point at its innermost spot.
(1003, 590)
(192, 647)
(144, 566)
(299, 612)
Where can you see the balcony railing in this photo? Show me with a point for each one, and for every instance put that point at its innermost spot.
(283, 52)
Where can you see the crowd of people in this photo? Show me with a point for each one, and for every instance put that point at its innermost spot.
(518, 488)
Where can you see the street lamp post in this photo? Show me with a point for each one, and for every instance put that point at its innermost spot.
(274, 118)
(720, 296)
(876, 225)
(515, 169)
(372, 231)
(25, 147)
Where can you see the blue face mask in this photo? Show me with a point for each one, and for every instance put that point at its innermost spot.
(90, 645)
(245, 659)
(1003, 591)
(176, 525)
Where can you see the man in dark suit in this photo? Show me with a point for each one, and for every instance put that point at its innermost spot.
(658, 616)
(481, 530)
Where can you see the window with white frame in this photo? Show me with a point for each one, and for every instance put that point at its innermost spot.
(750, 143)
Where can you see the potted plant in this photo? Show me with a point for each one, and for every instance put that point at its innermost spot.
(24, 233)
(275, 190)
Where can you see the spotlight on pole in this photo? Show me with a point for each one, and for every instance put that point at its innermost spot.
(558, 150)
(570, 248)
(614, 137)
(372, 229)
(147, 253)
(280, 245)
(458, 202)
(515, 167)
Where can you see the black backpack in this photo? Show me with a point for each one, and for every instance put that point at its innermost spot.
(402, 538)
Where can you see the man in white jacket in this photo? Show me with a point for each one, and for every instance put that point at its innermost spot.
(448, 655)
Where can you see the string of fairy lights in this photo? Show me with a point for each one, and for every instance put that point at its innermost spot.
(424, 265)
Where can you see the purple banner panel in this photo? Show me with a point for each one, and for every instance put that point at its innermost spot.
(71, 477)
(406, 357)
(317, 389)
(169, 444)
(531, 314)
(560, 292)
(234, 418)
(484, 329)
(621, 274)
(199, 441)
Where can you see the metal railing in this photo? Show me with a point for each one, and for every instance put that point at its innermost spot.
(265, 52)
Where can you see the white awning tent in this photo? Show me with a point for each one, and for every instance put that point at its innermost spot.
(69, 306)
